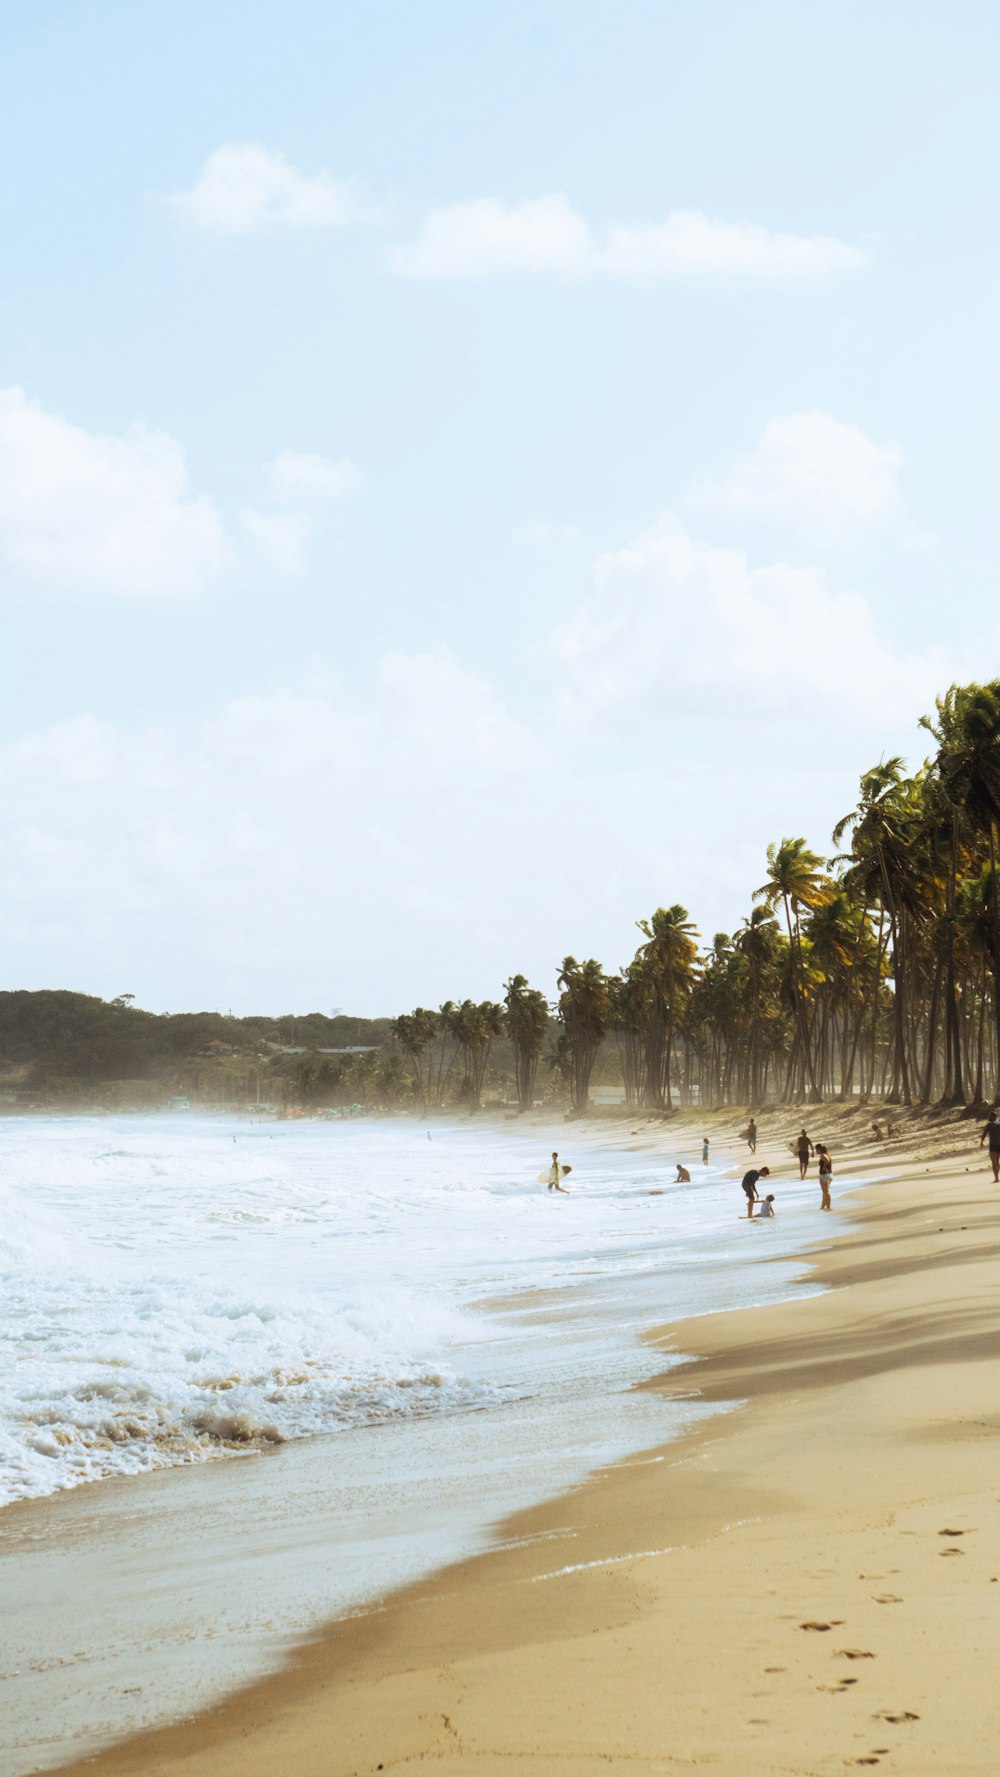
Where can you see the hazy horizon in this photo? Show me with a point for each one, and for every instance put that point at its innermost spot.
(467, 480)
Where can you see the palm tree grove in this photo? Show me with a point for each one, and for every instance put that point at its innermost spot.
(873, 973)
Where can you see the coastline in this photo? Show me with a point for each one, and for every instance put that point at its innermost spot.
(148, 1597)
(660, 1613)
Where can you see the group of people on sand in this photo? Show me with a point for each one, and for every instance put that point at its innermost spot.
(805, 1149)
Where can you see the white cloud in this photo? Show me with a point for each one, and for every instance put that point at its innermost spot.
(810, 474)
(243, 186)
(674, 626)
(89, 512)
(300, 486)
(546, 236)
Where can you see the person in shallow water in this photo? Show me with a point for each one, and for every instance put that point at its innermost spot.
(804, 1149)
(558, 1172)
(704, 1152)
(683, 1175)
(825, 1174)
(750, 1186)
(767, 1207)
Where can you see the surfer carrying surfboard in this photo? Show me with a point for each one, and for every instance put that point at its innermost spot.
(556, 1173)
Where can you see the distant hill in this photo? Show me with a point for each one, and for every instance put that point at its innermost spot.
(57, 1045)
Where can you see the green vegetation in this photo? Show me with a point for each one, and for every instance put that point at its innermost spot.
(871, 974)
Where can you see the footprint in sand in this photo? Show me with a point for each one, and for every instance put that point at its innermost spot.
(854, 1653)
(835, 1690)
(903, 1715)
(954, 1533)
(886, 1598)
(821, 1628)
(951, 1551)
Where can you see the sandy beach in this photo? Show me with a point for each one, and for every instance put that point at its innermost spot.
(809, 1583)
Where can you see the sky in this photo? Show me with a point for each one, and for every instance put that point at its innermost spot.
(470, 476)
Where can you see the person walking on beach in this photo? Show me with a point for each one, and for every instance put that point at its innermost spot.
(556, 1173)
(704, 1151)
(805, 1150)
(752, 1136)
(825, 1175)
(991, 1128)
(750, 1186)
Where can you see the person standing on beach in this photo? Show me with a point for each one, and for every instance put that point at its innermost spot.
(805, 1150)
(557, 1172)
(825, 1175)
(704, 1151)
(750, 1186)
(991, 1128)
(752, 1136)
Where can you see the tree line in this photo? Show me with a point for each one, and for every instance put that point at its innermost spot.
(873, 972)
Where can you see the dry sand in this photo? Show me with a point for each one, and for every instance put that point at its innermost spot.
(808, 1584)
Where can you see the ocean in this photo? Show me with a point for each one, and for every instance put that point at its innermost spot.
(369, 1342)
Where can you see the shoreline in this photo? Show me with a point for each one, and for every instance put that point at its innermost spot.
(192, 1582)
(649, 1573)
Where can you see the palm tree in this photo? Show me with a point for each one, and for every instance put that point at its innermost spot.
(626, 999)
(474, 1028)
(667, 967)
(967, 730)
(415, 1031)
(795, 879)
(527, 1018)
(884, 828)
(585, 1010)
(759, 941)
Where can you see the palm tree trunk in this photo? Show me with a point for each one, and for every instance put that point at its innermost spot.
(954, 1090)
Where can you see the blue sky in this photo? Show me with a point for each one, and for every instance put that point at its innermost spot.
(470, 475)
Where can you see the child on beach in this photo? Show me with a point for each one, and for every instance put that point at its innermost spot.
(704, 1152)
(767, 1207)
(683, 1175)
(825, 1175)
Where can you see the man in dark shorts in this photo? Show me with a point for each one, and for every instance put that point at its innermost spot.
(992, 1129)
(750, 1186)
